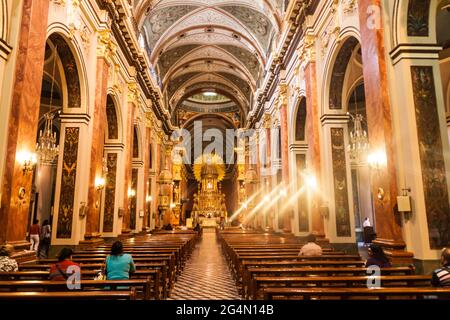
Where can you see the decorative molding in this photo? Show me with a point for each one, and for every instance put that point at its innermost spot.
(68, 183)
(106, 48)
(418, 18)
(110, 193)
(342, 212)
(431, 156)
(306, 49)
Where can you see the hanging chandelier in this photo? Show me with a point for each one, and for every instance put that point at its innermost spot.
(47, 147)
(359, 142)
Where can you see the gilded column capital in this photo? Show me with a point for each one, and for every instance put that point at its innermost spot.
(283, 89)
(133, 92)
(306, 49)
(105, 45)
(267, 119)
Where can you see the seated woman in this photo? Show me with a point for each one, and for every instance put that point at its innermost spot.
(311, 248)
(58, 271)
(119, 265)
(7, 264)
(377, 257)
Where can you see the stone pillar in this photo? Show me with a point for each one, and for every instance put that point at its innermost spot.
(23, 122)
(129, 133)
(71, 189)
(147, 186)
(378, 108)
(268, 216)
(313, 138)
(287, 215)
(104, 49)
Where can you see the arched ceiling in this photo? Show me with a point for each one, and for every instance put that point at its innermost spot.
(198, 45)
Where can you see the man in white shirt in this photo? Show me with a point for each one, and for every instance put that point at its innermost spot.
(311, 248)
(366, 223)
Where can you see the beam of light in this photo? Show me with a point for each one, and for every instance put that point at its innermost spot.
(268, 201)
(245, 205)
(292, 199)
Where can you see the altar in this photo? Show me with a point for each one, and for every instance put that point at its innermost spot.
(209, 222)
(209, 202)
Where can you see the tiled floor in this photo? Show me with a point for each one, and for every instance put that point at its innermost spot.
(206, 275)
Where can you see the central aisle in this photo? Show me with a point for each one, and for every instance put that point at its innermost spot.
(206, 275)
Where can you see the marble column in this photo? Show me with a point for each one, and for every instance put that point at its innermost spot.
(267, 172)
(313, 138)
(129, 131)
(23, 121)
(287, 215)
(147, 186)
(92, 234)
(378, 108)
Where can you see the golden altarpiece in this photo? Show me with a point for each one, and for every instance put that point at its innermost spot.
(209, 206)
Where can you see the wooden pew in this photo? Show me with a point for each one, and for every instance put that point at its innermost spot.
(77, 295)
(147, 288)
(349, 293)
(260, 283)
(253, 272)
(150, 275)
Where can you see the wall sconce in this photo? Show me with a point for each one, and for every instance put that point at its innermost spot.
(131, 193)
(324, 211)
(99, 185)
(172, 205)
(83, 209)
(148, 199)
(310, 180)
(377, 159)
(27, 160)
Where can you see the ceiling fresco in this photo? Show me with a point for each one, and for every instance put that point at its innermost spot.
(208, 44)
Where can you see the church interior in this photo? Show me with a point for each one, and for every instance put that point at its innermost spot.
(216, 143)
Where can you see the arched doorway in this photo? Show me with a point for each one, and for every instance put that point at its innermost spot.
(345, 123)
(55, 179)
(48, 136)
(443, 40)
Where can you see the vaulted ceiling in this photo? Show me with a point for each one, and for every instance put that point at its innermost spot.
(202, 46)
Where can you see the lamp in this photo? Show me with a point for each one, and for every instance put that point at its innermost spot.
(359, 143)
(46, 148)
(148, 199)
(27, 160)
(131, 193)
(377, 159)
(99, 183)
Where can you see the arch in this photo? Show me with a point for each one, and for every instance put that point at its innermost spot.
(448, 97)
(329, 66)
(76, 62)
(419, 17)
(3, 20)
(114, 130)
(300, 120)
(136, 142)
(338, 74)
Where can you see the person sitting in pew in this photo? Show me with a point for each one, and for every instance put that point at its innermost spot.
(7, 264)
(441, 276)
(377, 257)
(168, 227)
(311, 248)
(119, 265)
(59, 270)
